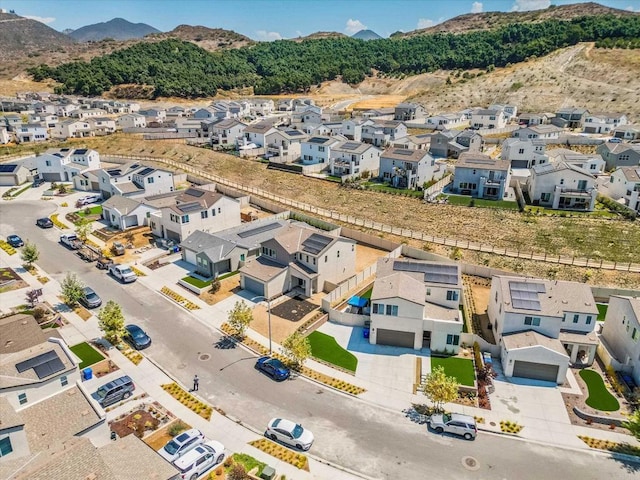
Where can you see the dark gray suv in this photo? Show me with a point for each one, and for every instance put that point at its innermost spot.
(115, 391)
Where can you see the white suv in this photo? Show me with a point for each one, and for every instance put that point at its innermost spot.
(181, 444)
(458, 424)
(200, 459)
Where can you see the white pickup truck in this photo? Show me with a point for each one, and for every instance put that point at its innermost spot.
(123, 273)
(71, 241)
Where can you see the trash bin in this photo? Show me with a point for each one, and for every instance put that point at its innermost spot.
(268, 473)
(87, 374)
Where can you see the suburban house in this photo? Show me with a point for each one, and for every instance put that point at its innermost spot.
(12, 121)
(452, 143)
(134, 180)
(285, 142)
(619, 155)
(317, 149)
(624, 185)
(72, 129)
(85, 113)
(131, 120)
(488, 119)
(156, 115)
(620, 335)
(352, 128)
(179, 215)
(562, 185)
(542, 325)
(189, 125)
(626, 132)
(592, 163)
(378, 113)
(102, 125)
(481, 176)
(524, 153)
(299, 257)
(415, 304)
(382, 133)
(224, 131)
(31, 132)
(603, 122)
(510, 111)
(284, 105)
(65, 110)
(310, 115)
(532, 119)
(231, 109)
(261, 106)
(545, 132)
(61, 165)
(13, 174)
(570, 117)
(354, 158)
(125, 212)
(87, 181)
(421, 141)
(404, 112)
(208, 113)
(4, 135)
(48, 120)
(177, 111)
(257, 134)
(447, 121)
(226, 251)
(405, 168)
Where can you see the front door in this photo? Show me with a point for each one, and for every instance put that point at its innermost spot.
(426, 339)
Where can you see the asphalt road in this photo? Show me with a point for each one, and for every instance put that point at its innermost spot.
(360, 436)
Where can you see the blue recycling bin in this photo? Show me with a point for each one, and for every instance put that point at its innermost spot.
(87, 374)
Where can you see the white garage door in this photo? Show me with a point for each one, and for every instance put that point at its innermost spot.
(190, 256)
(538, 371)
(130, 221)
(395, 338)
(253, 286)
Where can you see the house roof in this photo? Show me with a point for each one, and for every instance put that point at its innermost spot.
(9, 168)
(618, 148)
(263, 269)
(553, 167)
(194, 199)
(353, 148)
(130, 454)
(486, 111)
(399, 285)
(228, 123)
(20, 332)
(262, 127)
(627, 128)
(34, 365)
(437, 312)
(405, 155)
(530, 339)
(9, 418)
(250, 235)
(589, 338)
(292, 237)
(543, 129)
(432, 274)
(481, 161)
(320, 140)
(631, 174)
(214, 247)
(124, 205)
(551, 298)
(634, 302)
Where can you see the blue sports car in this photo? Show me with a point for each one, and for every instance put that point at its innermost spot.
(273, 367)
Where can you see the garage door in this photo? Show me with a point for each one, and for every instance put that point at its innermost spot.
(7, 180)
(393, 337)
(130, 221)
(253, 286)
(538, 371)
(190, 256)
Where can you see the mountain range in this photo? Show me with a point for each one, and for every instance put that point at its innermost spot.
(117, 29)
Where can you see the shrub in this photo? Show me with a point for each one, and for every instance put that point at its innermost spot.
(177, 428)
(39, 313)
(215, 286)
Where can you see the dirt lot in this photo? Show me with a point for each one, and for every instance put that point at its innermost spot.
(281, 328)
(228, 286)
(366, 255)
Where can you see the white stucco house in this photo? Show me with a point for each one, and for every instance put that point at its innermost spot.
(591, 162)
(125, 212)
(524, 153)
(285, 142)
(543, 132)
(131, 120)
(257, 134)
(405, 168)
(415, 304)
(383, 132)
(621, 334)
(510, 111)
(562, 185)
(317, 149)
(134, 180)
(61, 165)
(488, 118)
(352, 128)
(31, 132)
(542, 325)
(603, 122)
(354, 158)
(624, 186)
(72, 128)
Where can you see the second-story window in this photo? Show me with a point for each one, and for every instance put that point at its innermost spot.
(204, 214)
(184, 219)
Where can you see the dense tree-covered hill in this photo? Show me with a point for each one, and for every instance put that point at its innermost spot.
(177, 68)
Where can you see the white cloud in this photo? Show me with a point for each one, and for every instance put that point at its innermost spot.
(45, 20)
(354, 26)
(476, 7)
(631, 9)
(527, 5)
(265, 36)
(425, 23)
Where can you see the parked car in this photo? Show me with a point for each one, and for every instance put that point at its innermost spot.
(123, 273)
(89, 199)
(90, 298)
(37, 182)
(273, 367)
(71, 241)
(15, 241)
(456, 423)
(290, 433)
(117, 248)
(44, 222)
(104, 263)
(615, 140)
(181, 444)
(199, 459)
(137, 337)
(115, 391)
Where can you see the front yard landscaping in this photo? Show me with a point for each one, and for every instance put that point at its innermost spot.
(162, 436)
(87, 354)
(610, 446)
(188, 400)
(276, 450)
(460, 368)
(7, 248)
(599, 397)
(90, 211)
(602, 311)
(325, 348)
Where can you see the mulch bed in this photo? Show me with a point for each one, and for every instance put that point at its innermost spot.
(137, 423)
(294, 309)
(155, 265)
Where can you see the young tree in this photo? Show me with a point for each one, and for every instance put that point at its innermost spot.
(30, 253)
(296, 348)
(72, 289)
(111, 322)
(240, 318)
(83, 229)
(439, 388)
(633, 423)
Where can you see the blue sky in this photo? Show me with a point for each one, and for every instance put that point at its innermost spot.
(272, 20)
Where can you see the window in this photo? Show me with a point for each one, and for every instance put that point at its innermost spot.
(326, 258)
(545, 197)
(64, 381)
(576, 318)
(589, 318)
(562, 181)
(521, 151)
(204, 214)
(428, 292)
(269, 252)
(338, 253)
(5, 446)
(452, 295)
(453, 339)
(150, 180)
(219, 210)
(378, 308)
(392, 310)
(535, 321)
(314, 260)
(496, 296)
(184, 219)
(22, 398)
(48, 163)
(242, 257)
(635, 335)
(213, 212)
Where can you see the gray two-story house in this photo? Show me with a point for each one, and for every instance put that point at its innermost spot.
(481, 176)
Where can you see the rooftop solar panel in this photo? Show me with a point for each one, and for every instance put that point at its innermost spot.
(316, 140)
(192, 192)
(146, 171)
(350, 146)
(403, 151)
(433, 272)
(43, 365)
(258, 230)
(315, 243)
(525, 295)
(80, 151)
(189, 207)
(114, 172)
(294, 133)
(49, 368)
(8, 168)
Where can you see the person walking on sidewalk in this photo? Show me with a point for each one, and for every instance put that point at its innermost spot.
(196, 380)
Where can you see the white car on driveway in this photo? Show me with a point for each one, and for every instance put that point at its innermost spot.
(289, 433)
(198, 460)
(181, 444)
(123, 273)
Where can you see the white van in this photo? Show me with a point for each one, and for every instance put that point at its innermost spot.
(88, 200)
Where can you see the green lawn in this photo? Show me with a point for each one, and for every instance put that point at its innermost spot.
(599, 397)
(367, 294)
(465, 201)
(87, 354)
(326, 348)
(461, 368)
(395, 191)
(248, 462)
(196, 282)
(97, 210)
(602, 310)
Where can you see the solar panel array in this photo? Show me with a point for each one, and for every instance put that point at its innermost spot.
(80, 151)
(192, 192)
(294, 133)
(350, 146)
(433, 272)
(526, 295)
(315, 244)
(146, 171)
(258, 230)
(403, 151)
(114, 172)
(189, 207)
(43, 365)
(8, 168)
(316, 140)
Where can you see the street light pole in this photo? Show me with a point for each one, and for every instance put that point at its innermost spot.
(268, 316)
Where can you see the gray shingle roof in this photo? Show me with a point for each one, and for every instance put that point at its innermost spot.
(529, 339)
(124, 205)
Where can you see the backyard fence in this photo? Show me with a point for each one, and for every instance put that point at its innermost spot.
(403, 232)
